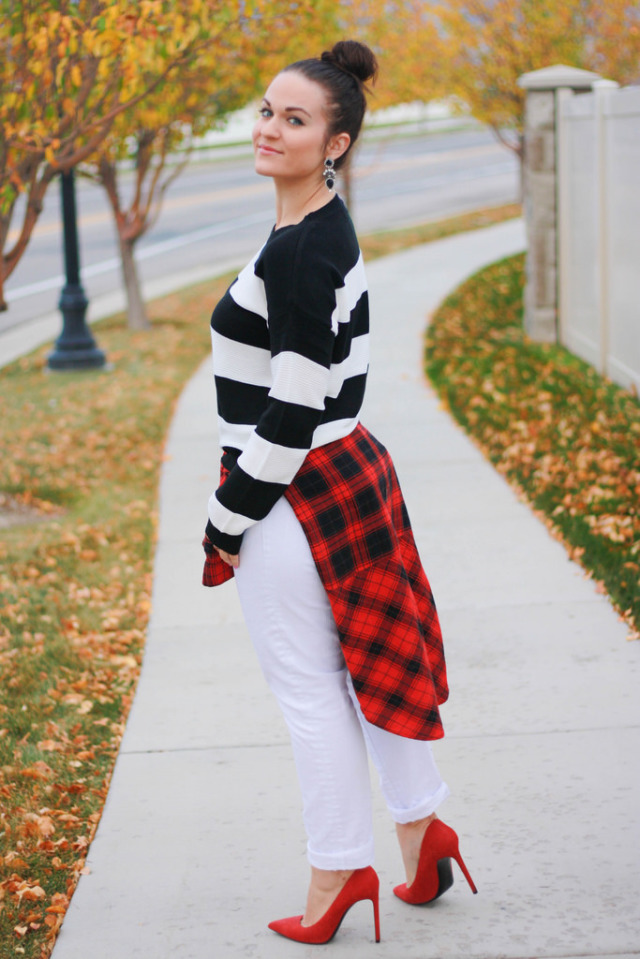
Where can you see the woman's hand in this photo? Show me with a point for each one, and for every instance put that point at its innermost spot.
(231, 559)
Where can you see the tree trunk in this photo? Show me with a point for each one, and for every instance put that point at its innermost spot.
(33, 208)
(3, 302)
(346, 174)
(5, 222)
(517, 147)
(136, 309)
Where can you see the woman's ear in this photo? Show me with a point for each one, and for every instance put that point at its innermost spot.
(338, 145)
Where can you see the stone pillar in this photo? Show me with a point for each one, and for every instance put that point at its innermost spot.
(540, 193)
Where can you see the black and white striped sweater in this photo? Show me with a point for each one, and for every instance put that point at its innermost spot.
(290, 358)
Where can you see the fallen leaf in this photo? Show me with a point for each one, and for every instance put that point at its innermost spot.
(25, 891)
(38, 770)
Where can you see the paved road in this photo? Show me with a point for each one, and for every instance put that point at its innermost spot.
(216, 212)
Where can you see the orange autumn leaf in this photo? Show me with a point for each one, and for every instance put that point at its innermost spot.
(46, 826)
(14, 860)
(32, 917)
(34, 824)
(29, 892)
(51, 745)
(38, 770)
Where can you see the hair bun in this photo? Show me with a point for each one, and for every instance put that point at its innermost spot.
(353, 57)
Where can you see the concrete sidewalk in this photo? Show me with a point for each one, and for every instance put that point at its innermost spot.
(201, 842)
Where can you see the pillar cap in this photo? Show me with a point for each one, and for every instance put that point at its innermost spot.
(559, 75)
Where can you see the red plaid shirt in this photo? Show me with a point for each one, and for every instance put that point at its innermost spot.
(348, 500)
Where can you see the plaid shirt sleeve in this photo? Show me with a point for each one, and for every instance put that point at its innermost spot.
(348, 500)
(215, 571)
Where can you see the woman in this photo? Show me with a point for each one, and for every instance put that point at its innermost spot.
(310, 519)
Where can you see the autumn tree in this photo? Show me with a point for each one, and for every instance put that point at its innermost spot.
(68, 68)
(156, 136)
(612, 47)
(404, 36)
(488, 44)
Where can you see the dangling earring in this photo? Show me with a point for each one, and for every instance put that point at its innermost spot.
(329, 173)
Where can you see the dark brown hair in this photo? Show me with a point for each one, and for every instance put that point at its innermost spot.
(343, 72)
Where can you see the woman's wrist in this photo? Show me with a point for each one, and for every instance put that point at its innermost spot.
(224, 541)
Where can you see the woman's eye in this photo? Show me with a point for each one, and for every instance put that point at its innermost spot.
(266, 112)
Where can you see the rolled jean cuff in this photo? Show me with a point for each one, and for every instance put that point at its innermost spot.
(425, 808)
(342, 859)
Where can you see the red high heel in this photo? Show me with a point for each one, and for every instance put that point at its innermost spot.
(434, 875)
(361, 884)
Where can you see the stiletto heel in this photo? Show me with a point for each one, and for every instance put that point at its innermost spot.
(376, 911)
(458, 858)
(361, 884)
(434, 876)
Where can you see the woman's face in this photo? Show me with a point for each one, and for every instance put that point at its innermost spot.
(290, 135)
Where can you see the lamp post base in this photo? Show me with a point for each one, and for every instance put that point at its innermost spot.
(76, 360)
(75, 348)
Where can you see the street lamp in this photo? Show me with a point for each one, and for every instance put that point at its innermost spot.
(75, 348)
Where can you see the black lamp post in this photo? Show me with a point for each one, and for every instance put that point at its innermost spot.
(75, 348)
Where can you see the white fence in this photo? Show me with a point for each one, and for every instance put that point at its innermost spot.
(599, 228)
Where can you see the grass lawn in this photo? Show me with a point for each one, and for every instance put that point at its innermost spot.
(566, 437)
(81, 455)
(80, 461)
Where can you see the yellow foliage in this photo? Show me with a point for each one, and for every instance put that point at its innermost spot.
(403, 35)
(64, 75)
(68, 73)
(487, 46)
(41, 41)
(244, 46)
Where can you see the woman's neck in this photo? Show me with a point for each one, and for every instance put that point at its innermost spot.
(294, 202)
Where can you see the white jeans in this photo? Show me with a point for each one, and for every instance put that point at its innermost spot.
(289, 618)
